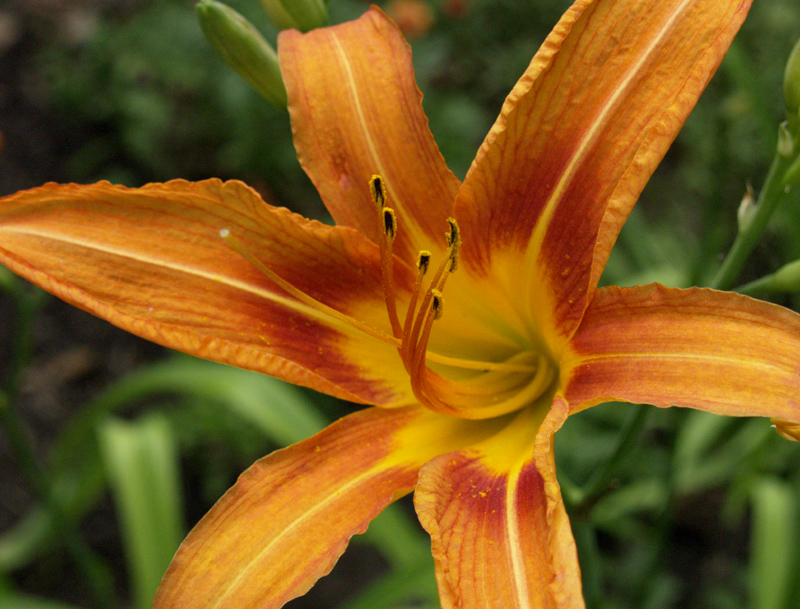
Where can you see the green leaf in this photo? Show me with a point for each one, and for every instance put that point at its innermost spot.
(282, 412)
(399, 537)
(712, 448)
(142, 463)
(773, 543)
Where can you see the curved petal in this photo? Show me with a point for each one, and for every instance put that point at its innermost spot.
(151, 260)
(356, 111)
(500, 535)
(290, 516)
(577, 139)
(716, 351)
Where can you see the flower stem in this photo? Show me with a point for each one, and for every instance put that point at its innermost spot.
(785, 279)
(773, 193)
(580, 498)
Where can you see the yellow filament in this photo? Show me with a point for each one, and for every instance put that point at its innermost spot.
(388, 230)
(410, 340)
(423, 261)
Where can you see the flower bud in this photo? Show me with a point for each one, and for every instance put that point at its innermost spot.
(243, 48)
(785, 146)
(747, 209)
(787, 278)
(303, 15)
(791, 81)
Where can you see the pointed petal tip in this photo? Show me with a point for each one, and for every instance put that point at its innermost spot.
(151, 260)
(697, 348)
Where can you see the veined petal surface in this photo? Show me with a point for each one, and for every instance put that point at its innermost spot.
(500, 534)
(290, 516)
(716, 351)
(577, 139)
(356, 111)
(151, 260)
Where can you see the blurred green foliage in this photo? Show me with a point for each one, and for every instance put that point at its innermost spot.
(702, 512)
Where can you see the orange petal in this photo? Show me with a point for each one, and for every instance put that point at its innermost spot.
(500, 535)
(151, 260)
(356, 111)
(290, 516)
(577, 139)
(700, 348)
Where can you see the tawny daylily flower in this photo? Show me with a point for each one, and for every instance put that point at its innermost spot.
(471, 369)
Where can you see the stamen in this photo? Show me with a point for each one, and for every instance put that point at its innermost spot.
(389, 223)
(438, 304)
(482, 366)
(377, 191)
(473, 395)
(388, 226)
(454, 234)
(418, 369)
(411, 341)
(423, 262)
(453, 242)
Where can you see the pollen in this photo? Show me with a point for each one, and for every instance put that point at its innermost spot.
(389, 223)
(438, 304)
(423, 261)
(377, 191)
(453, 242)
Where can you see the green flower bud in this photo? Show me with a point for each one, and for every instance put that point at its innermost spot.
(791, 81)
(243, 48)
(785, 140)
(747, 209)
(787, 278)
(278, 15)
(303, 15)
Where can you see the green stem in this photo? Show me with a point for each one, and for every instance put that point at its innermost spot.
(785, 279)
(580, 498)
(591, 563)
(762, 285)
(772, 194)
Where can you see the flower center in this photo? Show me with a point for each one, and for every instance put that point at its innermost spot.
(463, 387)
(495, 387)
